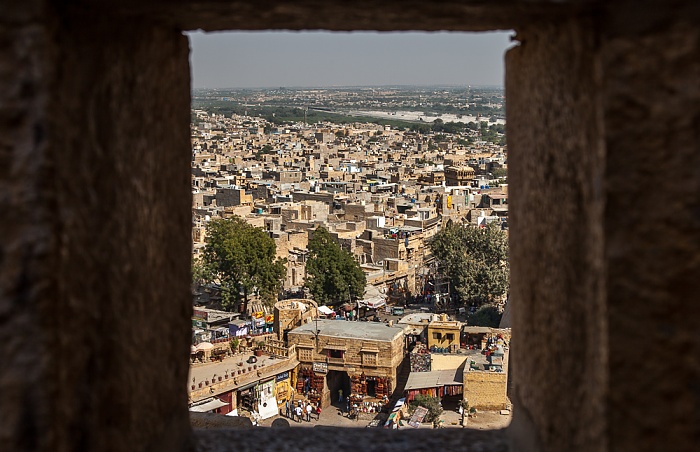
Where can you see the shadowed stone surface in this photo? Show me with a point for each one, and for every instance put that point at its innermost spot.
(95, 195)
(652, 226)
(376, 439)
(556, 163)
(27, 235)
(213, 421)
(120, 152)
(465, 15)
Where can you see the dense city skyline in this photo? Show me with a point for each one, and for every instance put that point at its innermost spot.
(322, 59)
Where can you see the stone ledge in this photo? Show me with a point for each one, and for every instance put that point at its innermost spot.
(206, 421)
(325, 438)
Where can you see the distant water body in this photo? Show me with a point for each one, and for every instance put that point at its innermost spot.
(416, 116)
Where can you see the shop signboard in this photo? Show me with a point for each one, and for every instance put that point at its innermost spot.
(282, 376)
(199, 314)
(267, 404)
(321, 368)
(418, 417)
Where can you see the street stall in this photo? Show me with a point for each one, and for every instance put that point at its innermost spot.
(368, 394)
(437, 383)
(239, 328)
(311, 382)
(246, 397)
(283, 388)
(363, 385)
(326, 312)
(269, 323)
(396, 414)
(210, 405)
(265, 399)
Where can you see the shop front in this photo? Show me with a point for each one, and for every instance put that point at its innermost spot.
(311, 382)
(283, 389)
(368, 393)
(246, 400)
(438, 383)
(369, 386)
(265, 399)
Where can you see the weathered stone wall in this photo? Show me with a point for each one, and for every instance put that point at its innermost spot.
(27, 236)
(94, 291)
(556, 158)
(485, 390)
(119, 141)
(651, 61)
(390, 354)
(352, 356)
(387, 248)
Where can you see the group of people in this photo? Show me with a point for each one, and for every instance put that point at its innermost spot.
(301, 410)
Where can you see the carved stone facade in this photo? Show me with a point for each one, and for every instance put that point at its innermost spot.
(365, 351)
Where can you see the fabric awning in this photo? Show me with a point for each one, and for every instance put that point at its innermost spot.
(325, 310)
(374, 304)
(207, 405)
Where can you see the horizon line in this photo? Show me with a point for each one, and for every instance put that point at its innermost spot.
(438, 85)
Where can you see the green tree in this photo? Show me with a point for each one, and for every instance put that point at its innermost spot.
(474, 259)
(500, 173)
(485, 316)
(242, 259)
(333, 275)
(431, 403)
(200, 273)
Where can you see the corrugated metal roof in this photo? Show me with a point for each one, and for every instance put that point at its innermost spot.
(435, 379)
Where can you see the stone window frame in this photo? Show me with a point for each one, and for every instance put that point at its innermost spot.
(91, 85)
(370, 358)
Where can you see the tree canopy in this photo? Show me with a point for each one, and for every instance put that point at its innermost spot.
(475, 260)
(431, 403)
(332, 275)
(242, 259)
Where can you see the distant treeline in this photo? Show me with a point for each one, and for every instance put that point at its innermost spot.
(493, 133)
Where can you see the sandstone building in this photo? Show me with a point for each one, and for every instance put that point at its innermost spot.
(358, 358)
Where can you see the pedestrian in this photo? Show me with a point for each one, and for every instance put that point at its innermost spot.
(308, 412)
(340, 395)
(286, 409)
(298, 413)
(318, 412)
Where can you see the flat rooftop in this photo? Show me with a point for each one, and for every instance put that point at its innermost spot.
(351, 330)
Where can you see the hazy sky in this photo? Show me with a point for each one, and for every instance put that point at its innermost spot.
(301, 59)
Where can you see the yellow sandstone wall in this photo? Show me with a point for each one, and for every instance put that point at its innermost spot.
(446, 361)
(485, 390)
